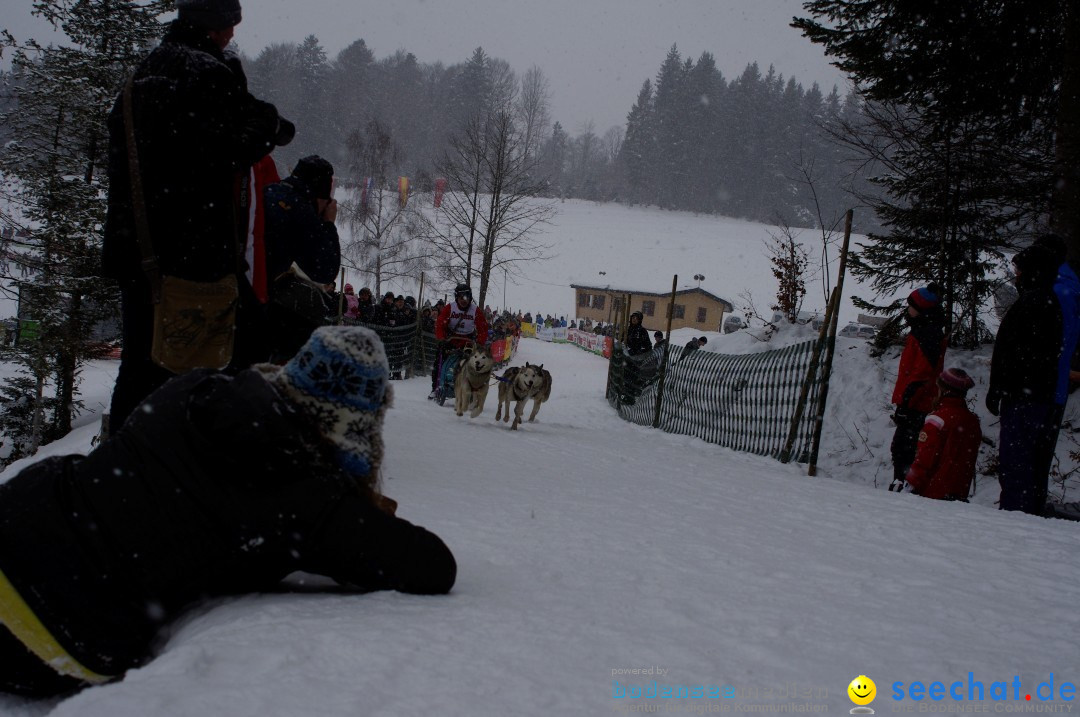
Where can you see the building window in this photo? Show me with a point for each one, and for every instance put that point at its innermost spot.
(701, 315)
(617, 304)
(680, 311)
(648, 307)
(582, 299)
(598, 301)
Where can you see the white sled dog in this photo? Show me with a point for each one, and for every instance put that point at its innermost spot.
(520, 384)
(471, 381)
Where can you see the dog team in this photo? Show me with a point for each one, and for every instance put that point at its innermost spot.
(517, 385)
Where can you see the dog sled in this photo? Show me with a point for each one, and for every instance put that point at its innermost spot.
(451, 361)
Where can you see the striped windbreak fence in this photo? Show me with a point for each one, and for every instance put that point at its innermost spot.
(745, 402)
(412, 353)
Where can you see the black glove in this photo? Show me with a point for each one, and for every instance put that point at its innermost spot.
(993, 402)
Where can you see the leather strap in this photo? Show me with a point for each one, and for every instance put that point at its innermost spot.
(138, 200)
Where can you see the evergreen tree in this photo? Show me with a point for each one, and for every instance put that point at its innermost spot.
(639, 148)
(962, 99)
(57, 156)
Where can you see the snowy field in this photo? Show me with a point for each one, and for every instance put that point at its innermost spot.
(641, 249)
(589, 547)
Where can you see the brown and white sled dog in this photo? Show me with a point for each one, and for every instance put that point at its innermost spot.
(471, 381)
(520, 384)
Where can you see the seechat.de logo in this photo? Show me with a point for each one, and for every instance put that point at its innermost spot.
(862, 692)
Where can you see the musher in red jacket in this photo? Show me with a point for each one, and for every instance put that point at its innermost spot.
(459, 323)
(948, 445)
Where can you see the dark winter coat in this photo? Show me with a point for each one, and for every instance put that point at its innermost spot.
(920, 363)
(220, 488)
(947, 452)
(691, 346)
(1067, 290)
(638, 340)
(1028, 345)
(296, 233)
(197, 130)
(365, 311)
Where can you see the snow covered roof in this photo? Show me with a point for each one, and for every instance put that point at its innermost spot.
(639, 292)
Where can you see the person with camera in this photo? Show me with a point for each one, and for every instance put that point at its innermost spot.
(187, 123)
(219, 485)
(302, 255)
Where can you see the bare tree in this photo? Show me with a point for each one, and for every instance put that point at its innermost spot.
(533, 109)
(612, 143)
(789, 260)
(503, 85)
(384, 242)
(491, 212)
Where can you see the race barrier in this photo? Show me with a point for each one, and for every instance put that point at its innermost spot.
(557, 335)
(412, 353)
(528, 330)
(744, 402)
(597, 343)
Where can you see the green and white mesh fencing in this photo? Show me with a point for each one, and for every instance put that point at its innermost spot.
(412, 352)
(745, 402)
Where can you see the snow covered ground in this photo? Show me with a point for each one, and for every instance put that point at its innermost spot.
(640, 249)
(589, 547)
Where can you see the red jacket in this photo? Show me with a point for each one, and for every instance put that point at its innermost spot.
(948, 448)
(459, 326)
(920, 365)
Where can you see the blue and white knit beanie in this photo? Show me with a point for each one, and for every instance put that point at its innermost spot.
(339, 378)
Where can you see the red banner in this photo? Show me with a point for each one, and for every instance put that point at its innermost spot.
(440, 187)
(498, 350)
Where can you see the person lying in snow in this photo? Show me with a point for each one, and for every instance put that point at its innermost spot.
(216, 485)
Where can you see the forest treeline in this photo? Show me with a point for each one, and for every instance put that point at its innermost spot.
(756, 146)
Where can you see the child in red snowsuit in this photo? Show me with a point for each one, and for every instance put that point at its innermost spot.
(948, 444)
(920, 364)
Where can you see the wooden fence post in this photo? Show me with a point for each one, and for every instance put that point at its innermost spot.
(831, 348)
(663, 364)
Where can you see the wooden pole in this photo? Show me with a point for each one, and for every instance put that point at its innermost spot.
(341, 299)
(804, 391)
(418, 341)
(663, 363)
(831, 349)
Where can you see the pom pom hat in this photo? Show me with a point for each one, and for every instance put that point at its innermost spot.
(339, 379)
(924, 298)
(956, 379)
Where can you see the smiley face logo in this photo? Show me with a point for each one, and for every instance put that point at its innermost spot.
(862, 690)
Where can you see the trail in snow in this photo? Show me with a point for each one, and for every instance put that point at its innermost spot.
(586, 545)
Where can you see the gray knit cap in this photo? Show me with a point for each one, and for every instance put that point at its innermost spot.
(210, 14)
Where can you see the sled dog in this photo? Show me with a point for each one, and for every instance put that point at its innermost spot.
(471, 381)
(520, 384)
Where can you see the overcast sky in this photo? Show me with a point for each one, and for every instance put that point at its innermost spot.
(596, 53)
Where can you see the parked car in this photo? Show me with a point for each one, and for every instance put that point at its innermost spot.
(733, 323)
(858, 331)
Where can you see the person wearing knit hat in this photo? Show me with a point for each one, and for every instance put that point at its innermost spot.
(1025, 372)
(948, 444)
(196, 128)
(915, 389)
(218, 485)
